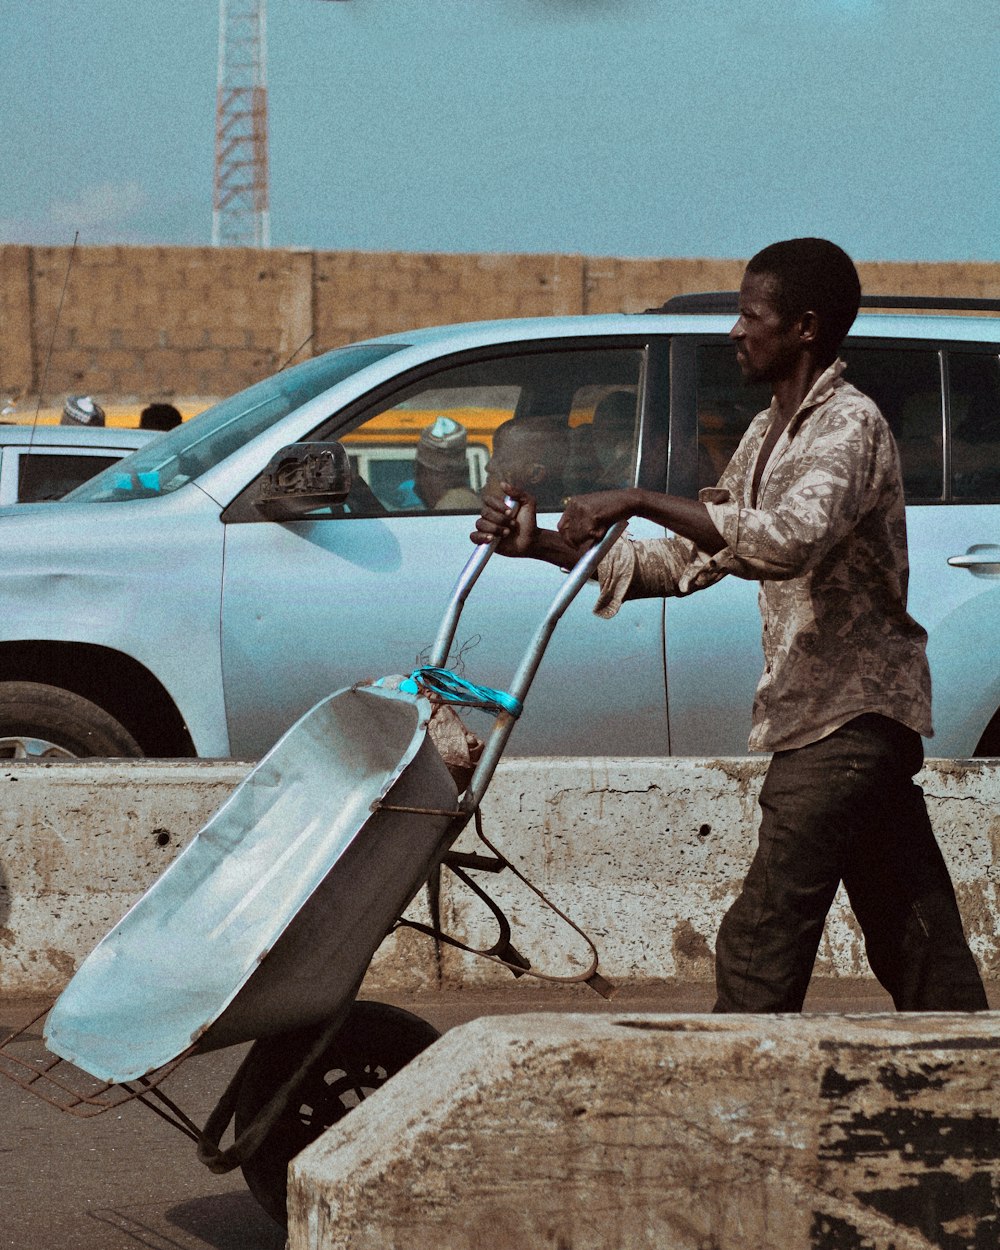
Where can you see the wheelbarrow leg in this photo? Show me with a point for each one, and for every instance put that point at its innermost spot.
(375, 1042)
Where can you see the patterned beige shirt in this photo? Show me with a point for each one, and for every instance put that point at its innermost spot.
(827, 542)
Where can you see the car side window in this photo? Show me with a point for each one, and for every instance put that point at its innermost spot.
(906, 385)
(974, 408)
(904, 382)
(555, 422)
(726, 405)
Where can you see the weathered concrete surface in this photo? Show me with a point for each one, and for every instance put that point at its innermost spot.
(644, 854)
(79, 843)
(670, 1133)
(647, 854)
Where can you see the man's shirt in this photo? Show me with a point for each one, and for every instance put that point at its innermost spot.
(826, 538)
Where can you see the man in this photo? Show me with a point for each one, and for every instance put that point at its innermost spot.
(82, 410)
(811, 506)
(529, 452)
(441, 470)
(159, 417)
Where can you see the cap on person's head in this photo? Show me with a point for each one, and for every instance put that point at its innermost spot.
(81, 410)
(442, 446)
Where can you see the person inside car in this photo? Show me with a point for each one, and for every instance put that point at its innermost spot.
(441, 472)
(811, 507)
(530, 452)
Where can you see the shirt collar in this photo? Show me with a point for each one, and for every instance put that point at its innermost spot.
(824, 386)
(820, 391)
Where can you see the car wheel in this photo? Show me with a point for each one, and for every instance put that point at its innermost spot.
(374, 1043)
(39, 722)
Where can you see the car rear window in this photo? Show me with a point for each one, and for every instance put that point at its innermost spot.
(974, 411)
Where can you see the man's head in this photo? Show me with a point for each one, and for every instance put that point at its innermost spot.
(529, 453)
(159, 417)
(441, 463)
(800, 295)
(81, 410)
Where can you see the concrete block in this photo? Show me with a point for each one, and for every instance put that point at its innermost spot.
(647, 854)
(669, 1133)
(342, 296)
(644, 854)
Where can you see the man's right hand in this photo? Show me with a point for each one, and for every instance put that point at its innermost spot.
(520, 534)
(517, 531)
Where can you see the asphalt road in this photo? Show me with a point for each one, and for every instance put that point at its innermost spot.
(125, 1180)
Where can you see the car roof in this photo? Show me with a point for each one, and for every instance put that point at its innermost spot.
(895, 325)
(70, 435)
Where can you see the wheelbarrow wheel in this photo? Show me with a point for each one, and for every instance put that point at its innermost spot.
(375, 1042)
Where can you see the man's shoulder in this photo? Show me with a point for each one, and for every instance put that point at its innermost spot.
(846, 393)
(458, 497)
(850, 405)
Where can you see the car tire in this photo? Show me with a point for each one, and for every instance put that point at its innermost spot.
(39, 722)
(375, 1042)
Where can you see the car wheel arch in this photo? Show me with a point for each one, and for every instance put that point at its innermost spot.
(114, 681)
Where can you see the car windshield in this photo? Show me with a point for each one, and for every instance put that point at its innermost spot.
(174, 458)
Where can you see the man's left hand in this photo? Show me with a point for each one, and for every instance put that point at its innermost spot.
(587, 518)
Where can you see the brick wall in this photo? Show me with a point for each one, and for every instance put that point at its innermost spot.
(161, 322)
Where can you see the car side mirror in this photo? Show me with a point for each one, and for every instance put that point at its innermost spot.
(301, 478)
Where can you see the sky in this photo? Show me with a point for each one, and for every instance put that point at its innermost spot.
(638, 128)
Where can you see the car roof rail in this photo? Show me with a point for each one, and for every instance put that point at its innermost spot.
(728, 302)
(701, 302)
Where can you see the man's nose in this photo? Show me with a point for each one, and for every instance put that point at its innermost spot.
(737, 331)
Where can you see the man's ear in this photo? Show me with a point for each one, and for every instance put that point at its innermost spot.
(809, 327)
(535, 473)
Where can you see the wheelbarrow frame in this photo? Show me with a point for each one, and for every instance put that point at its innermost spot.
(448, 812)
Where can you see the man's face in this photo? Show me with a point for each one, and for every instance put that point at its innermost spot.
(767, 346)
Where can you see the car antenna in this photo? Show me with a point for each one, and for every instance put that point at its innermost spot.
(52, 340)
(304, 343)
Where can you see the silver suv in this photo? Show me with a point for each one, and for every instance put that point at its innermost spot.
(188, 602)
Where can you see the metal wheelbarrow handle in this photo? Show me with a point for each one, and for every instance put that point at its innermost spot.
(460, 592)
(504, 723)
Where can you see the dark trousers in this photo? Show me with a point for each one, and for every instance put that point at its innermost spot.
(846, 809)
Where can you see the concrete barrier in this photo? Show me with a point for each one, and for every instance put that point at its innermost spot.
(644, 854)
(669, 1133)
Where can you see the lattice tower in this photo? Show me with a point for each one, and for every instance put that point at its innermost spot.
(240, 208)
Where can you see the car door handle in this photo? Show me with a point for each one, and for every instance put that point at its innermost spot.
(982, 560)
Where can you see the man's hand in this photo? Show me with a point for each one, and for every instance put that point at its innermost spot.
(517, 532)
(588, 518)
(520, 535)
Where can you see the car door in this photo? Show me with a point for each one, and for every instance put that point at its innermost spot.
(942, 403)
(358, 592)
(955, 554)
(712, 639)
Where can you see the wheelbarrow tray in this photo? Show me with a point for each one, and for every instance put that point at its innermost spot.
(268, 919)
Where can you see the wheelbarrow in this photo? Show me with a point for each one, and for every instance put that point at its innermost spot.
(263, 928)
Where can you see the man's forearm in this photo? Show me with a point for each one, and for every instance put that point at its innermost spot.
(588, 517)
(550, 546)
(687, 517)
